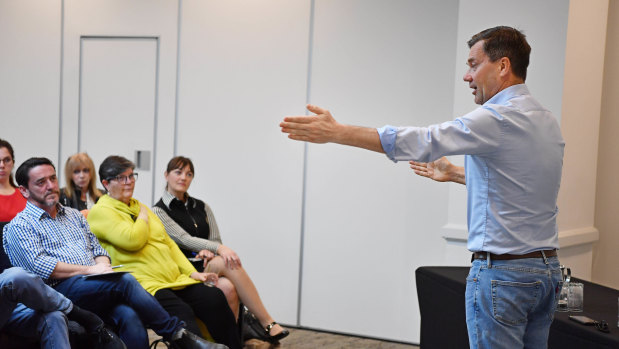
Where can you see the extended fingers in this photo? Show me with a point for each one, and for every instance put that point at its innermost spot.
(418, 164)
(297, 119)
(316, 109)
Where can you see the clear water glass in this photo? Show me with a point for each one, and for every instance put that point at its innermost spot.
(575, 296)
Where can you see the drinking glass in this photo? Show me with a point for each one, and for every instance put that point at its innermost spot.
(575, 296)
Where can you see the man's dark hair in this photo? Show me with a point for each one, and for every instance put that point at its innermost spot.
(23, 171)
(507, 42)
(112, 166)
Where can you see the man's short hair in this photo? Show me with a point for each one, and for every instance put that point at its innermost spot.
(114, 165)
(507, 42)
(23, 171)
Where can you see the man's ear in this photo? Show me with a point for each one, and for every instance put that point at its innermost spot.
(24, 192)
(105, 184)
(505, 65)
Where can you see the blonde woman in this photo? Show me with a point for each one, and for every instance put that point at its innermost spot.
(81, 192)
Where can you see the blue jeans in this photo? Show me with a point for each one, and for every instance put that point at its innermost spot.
(123, 301)
(511, 304)
(42, 314)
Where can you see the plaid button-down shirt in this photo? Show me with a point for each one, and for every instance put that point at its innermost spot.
(36, 242)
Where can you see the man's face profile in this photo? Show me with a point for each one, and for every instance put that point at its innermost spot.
(482, 75)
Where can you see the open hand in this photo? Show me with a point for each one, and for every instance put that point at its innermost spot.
(438, 170)
(319, 128)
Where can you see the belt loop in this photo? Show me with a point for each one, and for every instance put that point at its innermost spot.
(544, 256)
(489, 260)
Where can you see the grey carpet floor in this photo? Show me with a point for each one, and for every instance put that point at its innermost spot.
(307, 339)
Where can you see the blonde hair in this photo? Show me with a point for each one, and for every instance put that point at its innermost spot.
(77, 161)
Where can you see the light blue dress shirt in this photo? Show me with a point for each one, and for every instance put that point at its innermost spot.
(36, 242)
(513, 160)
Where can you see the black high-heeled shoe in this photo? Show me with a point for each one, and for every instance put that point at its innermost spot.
(278, 336)
(253, 329)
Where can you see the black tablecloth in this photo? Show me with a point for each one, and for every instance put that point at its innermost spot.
(443, 326)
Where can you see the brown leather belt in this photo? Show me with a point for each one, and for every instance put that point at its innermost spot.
(503, 257)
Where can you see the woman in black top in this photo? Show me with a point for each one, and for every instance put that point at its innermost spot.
(191, 224)
(81, 192)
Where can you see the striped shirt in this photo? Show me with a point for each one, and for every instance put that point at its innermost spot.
(36, 242)
(183, 238)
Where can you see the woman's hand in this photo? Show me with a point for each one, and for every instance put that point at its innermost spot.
(205, 255)
(143, 213)
(230, 257)
(210, 278)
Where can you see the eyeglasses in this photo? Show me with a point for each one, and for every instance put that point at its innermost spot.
(125, 179)
(7, 160)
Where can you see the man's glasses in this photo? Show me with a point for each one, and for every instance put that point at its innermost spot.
(7, 160)
(125, 179)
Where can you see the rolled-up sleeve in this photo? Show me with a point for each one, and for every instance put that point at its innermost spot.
(387, 136)
(478, 132)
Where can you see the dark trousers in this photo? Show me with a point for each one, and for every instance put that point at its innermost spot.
(122, 298)
(207, 304)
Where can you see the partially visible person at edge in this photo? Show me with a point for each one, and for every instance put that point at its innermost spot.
(512, 171)
(81, 191)
(55, 243)
(136, 239)
(11, 200)
(191, 224)
(31, 309)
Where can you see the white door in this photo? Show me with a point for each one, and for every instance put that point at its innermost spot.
(117, 114)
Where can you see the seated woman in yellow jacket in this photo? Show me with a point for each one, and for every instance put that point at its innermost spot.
(136, 239)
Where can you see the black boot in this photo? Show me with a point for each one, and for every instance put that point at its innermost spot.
(184, 339)
(99, 336)
(103, 338)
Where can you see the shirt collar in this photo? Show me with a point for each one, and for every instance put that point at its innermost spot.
(508, 93)
(167, 198)
(37, 212)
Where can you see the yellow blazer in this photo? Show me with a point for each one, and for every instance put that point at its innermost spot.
(144, 249)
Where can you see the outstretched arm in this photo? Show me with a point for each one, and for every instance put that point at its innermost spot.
(322, 128)
(440, 170)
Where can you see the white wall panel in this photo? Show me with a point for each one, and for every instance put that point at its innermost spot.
(243, 66)
(30, 77)
(370, 223)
